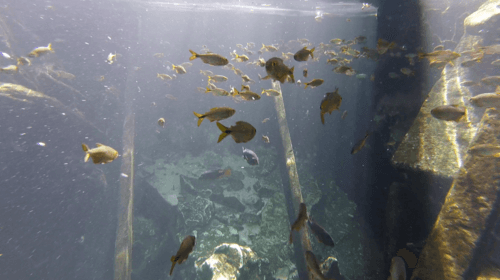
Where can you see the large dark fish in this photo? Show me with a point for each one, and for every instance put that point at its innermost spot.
(250, 156)
(277, 70)
(186, 248)
(242, 132)
(321, 233)
(215, 174)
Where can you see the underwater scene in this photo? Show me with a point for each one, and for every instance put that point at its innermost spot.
(249, 140)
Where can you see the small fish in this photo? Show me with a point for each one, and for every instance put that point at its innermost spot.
(111, 58)
(242, 132)
(337, 41)
(217, 78)
(360, 144)
(393, 75)
(23, 61)
(496, 62)
(300, 222)
(449, 112)
(491, 80)
(215, 174)
(321, 233)
(304, 72)
(344, 70)
(206, 72)
(101, 79)
(303, 54)
(344, 114)
(240, 58)
(468, 63)
(485, 150)
(360, 39)
(332, 61)
(158, 55)
(383, 46)
(179, 69)
(11, 69)
(170, 96)
(237, 71)
(247, 95)
(161, 122)
(41, 50)
(186, 64)
(491, 99)
(266, 139)
(164, 77)
(330, 103)
(245, 87)
(270, 92)
(269, 48)
(217, 91)
(247, 79)
(439, 56)
(361, 76)
(277, 70)
(398, 270)
(314, 83)
(185, 249)
(407, 71)
(101, 154)
(265, 120)
(211, 58)
(215, 114)
(250, 156)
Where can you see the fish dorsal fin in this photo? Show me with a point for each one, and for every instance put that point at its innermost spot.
(99, 144)
(305, 48)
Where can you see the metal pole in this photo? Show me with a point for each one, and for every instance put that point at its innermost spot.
(291, 167)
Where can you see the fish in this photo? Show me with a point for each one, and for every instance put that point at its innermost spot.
(332, 61)
(250, 156)
(185, 249)
(496, 62)
(217, 91)
(491, 80)
(247, 79)
(485, 150)
(217, 78)
(186, 64)
(314, 83)
(468, 63)
(247, 95)
(23, 61)
(158, 55)
(101, 154)
(313, 266)
(344, 114)
(164, 77)
(361, 76)
(277, 70)
(11, 69)
(300, 222)
(439, 56)
(270, 92)
(237, 71)
(303, 54)
(304, 72)
(111, 58)
(360, 144)
(242, 132)
(215, 174)
(360, 39)
(321, 234)
(383, 46)
(265, 120)
(330, 103)
(344, 70)
(266, 139)
(170, 96)
(64, 75)
(211, 58)
(398, 270)
(449, 112)
(407, 71)
(41, 50)
(491, 99)
(269, 48)
(215, 114)
(206, 72)
(337, 41)
(179, 69)
(240, 58)
(161, 122)
(393, 75)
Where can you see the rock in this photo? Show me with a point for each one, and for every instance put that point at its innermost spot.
(235, 185)
(484, 18)
(231, 202)
(197, 212)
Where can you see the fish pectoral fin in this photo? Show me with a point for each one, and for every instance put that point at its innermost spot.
(87, 156)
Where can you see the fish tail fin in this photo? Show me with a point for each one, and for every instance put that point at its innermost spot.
(193, 55)
(306, 85)
(85, 147)
(87, 156)
(420, 55)
(312, 50)
(224, 131)
(208, 90)
(322, 118)
(236, 92)
(173, 264)
(50, 47)
(200, 117)
(291, 75)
